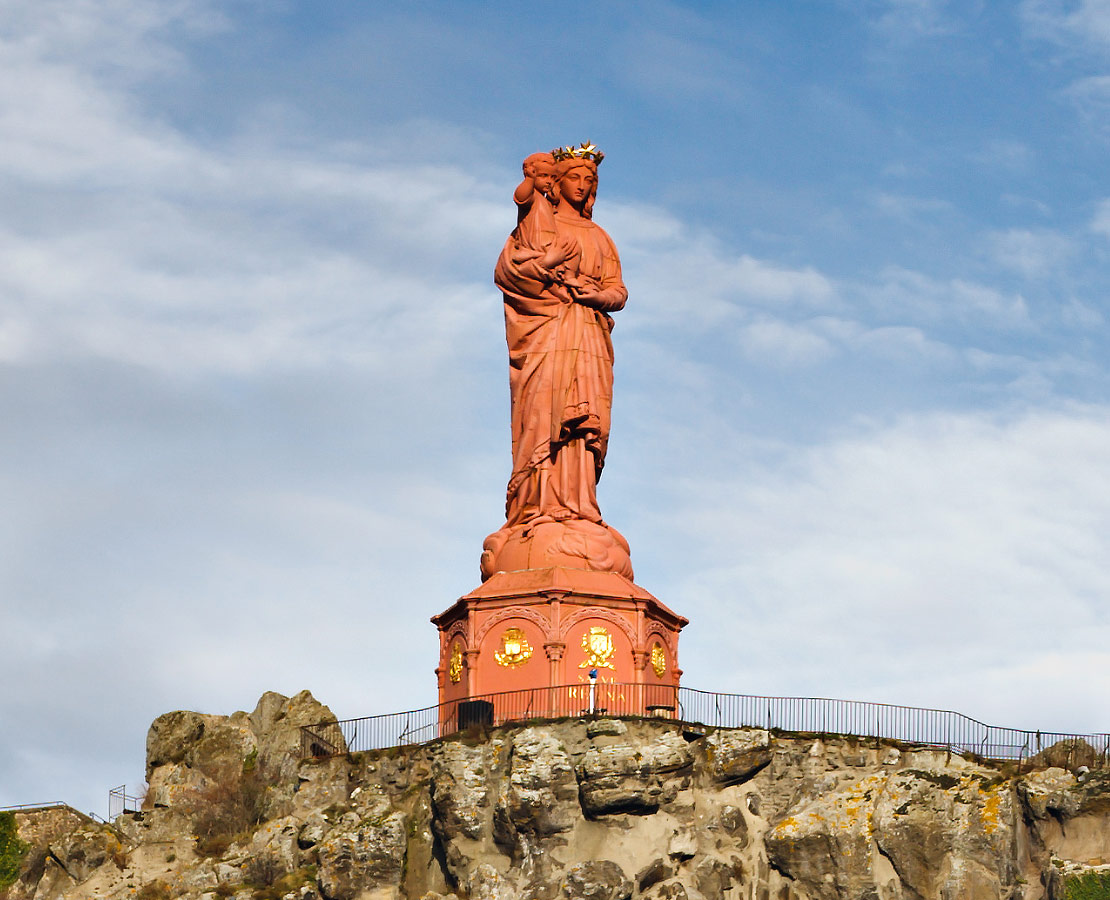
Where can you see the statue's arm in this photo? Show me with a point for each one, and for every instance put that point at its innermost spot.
(541, 267)
(534, 270)
(607, 299)
(610, 294)
(519, 271)
(524, 192)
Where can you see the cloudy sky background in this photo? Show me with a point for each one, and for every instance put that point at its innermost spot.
(253, 377)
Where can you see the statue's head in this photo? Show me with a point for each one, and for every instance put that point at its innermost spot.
(575, 165)
(575, 182)
(540, 167)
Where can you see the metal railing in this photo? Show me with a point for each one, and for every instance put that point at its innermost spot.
(119, 802)
(908, 724)
(419, 725)
(912, 725)
(52, 804)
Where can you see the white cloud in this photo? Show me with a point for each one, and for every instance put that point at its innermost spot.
(1034, 254)
(198, 258)
(109, 37)
(910, 209)
(677, 66)
(783, 316)
(914, 297)
(167, 309)
(909, 19)
(1011, 156)
(956, 543)
(1083, 316)
(124, 239)
(1091, 98)
(1069, 22)
(900, 169)
(1100, 224)
(65, 111)
(902, 342)
(224, 298)
(1019, 201)
(779, 343)
(1085, 29)
(688, 279)
(60, 126)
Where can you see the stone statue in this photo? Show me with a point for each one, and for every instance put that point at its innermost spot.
(561, 278)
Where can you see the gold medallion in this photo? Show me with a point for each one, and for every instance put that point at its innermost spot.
(598, 644)
(658, 659)
(455, 668)
(515, 649)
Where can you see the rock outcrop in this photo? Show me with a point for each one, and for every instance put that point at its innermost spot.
(575, 809)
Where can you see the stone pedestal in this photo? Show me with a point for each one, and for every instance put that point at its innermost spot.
(534, 629)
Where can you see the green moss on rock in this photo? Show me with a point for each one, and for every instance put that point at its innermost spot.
(12, 850)
(1088, 886)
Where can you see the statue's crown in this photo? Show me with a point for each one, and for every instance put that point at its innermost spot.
(586, 151)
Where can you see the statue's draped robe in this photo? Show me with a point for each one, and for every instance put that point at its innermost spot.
(560, 370)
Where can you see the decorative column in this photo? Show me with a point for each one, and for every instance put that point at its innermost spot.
(471, 660)
(554, 650)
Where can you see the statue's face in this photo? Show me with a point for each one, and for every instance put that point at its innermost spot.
(543, 175)
(576, 184)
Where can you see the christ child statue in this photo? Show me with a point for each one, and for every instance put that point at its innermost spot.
(535, 234)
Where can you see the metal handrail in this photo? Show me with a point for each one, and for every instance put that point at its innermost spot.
(922, 726)
(53, 804)
(119, 802)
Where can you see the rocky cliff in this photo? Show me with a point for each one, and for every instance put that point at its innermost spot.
(584, 809)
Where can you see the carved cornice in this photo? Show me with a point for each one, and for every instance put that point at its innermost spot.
(515, 612)
(666, 637)
(458, 630)
(597, 612)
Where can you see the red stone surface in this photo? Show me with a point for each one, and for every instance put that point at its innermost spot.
(558, 597)
(555, 608)
(560, 277)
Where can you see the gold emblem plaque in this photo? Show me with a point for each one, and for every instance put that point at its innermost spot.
(455, 667)
(598, 644)
(515, 649)
(659, 660)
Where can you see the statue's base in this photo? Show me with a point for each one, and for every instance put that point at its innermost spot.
(544, 543)
(535, 629)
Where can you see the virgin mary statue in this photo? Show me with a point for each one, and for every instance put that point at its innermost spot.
(561, 278)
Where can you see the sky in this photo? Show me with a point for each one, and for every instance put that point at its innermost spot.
(253, 377)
